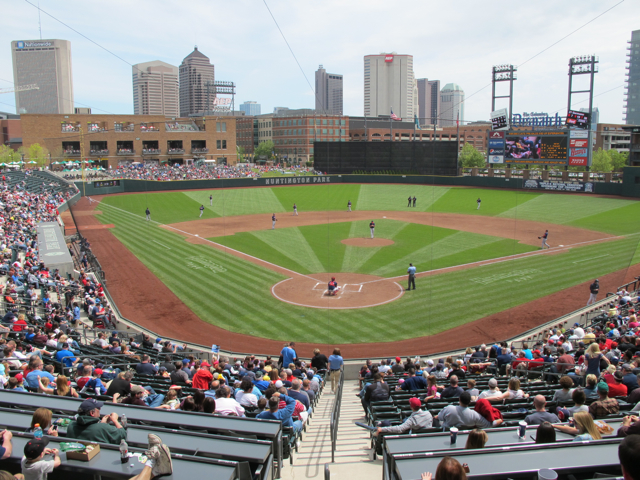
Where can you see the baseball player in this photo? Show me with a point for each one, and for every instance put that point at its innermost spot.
(333, 287)
(412, 276)
(349, 206)
(414, 200)
(409, 201)
(478, 202)
(211, 200)
(148, 213)
(273, 221)
(201, 209)
(544, 240)
(372, 226)
(594, 288)
(295, 209)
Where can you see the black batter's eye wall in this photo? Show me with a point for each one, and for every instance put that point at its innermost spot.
(418, 158)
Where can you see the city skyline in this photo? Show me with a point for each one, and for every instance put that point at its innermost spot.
(454, 51)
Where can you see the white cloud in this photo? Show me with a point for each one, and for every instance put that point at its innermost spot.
(455, 41)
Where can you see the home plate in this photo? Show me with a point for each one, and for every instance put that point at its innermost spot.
(384, 217)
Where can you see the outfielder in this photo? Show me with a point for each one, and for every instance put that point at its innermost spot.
(295, 209)
(148, 212)
(409, 201)
(478, 201)
(544, 240)
(372, 226)
(201, 209)
(211, 200)
(273, 221)
(349, 206)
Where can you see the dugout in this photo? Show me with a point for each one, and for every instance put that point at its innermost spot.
(416, 158)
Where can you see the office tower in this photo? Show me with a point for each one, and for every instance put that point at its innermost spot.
(328, 92)
(155, 89)
(428, 101)
(195, 72)
(250, 108)
(47, 65)
(389, 83)
(632, 102)
(451, 105)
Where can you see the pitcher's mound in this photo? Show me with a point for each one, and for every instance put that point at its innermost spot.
(367, 242)
(357, 291)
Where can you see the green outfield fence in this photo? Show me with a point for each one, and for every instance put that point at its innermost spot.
(630, 186)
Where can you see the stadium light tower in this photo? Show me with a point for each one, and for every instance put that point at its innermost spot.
(503, 73)
(584, 65)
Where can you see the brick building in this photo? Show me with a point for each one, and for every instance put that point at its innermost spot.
(123, 139)
(293, 136)
(612, 136)
(247, 134)
(11, 130)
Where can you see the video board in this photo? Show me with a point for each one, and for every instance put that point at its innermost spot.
(578, 119)
(536, 147)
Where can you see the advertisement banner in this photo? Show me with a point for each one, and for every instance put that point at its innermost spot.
(578, 143)
(496, 135)
(496, 151)
(496, 158)
(578, 152)
(496, 144)
(582, 187)
(578, 134)
(578, 161)
(537, 147)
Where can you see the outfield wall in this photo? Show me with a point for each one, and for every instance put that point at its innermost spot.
(630, 186)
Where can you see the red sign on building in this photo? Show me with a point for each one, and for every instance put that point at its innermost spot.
(388, 58)
(578, 161)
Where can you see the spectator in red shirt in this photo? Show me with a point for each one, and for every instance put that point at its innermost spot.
(20, 324)
(617, 388)
(537, 361)
(202, 378)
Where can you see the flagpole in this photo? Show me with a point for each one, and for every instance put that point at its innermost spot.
(390, 127)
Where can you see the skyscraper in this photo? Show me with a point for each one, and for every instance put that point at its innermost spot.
(632, 103)
(250, 108)
(451, 105)
(155, 89)
(428, 101)
(47, 64)
(389, 83)
(195, 71)
(328, 92)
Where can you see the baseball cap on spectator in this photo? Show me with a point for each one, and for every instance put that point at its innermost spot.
(603, 387)
(238, 362)
(90, 404)
(99, 365)
(493, 383)
(415, 402)
(266, 378)
(162, 369)
(203, 364)
(628, 367)
(551, 342)
(398, 359)
(20, 377)
(185, 360)
(278, 383)
(430, 362)
(581, 344)
(98, 371)
(137, 389)
(614, 360)
(158, 340)
(34, 448)
(537, 352)
(576, 324)
(401, 381)
(115, 332)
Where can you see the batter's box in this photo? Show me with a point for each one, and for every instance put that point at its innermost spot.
(352, 288)
(322, 286)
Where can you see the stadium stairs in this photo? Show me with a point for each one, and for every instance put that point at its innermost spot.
(352, 455)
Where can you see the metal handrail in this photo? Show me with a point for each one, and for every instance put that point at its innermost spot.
(335, 416)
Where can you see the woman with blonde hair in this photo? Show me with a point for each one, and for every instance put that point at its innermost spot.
(585, 429)
(62, 388)
(42, 417)
(592, 358)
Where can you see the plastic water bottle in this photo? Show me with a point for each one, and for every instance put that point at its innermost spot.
(37, 431)
(123, 421)
(124, 451)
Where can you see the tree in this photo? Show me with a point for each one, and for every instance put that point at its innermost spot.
(471, 157)
(240, 153)
(8, 154)
(619, 160)
(601, 161)
(265, 149)
(37, 153)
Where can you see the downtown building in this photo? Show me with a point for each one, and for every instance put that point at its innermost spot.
(389, 83)
(632, 87)
(428, 101)
(451, 105)
(251, 108)
(46, 64)
(195, 73)
(329, 92)
(155, 89)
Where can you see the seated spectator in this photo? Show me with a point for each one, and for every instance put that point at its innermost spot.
(616, 387)
(545, 433)
(453, 390)
(145, 367)
(179, 375)
(244, 394)
(540, 415)
(202, 377)
(34, 466)
(471, 388)
(88, 425)
(87, 370)
(66, 357)
(376, 391)
(578, 398)
(493, 391)
(585, 429)
(135, 397)
(171, 401)
(634, 397)
(32, 377)
(477, 439)
(101, 341)
(591, 390)
(419, 419)
(413, 382)
(629, 378)
(628, 453)
(61, 389)
(306, 388)
(604, 405)
(284, 415)
(462, 415)
(513, 392)
(225, 405)
(630, 426)
(42, 417)
(121, 384)
(209, 405)
(564, 394)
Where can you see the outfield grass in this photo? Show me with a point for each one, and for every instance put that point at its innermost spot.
(201, 276)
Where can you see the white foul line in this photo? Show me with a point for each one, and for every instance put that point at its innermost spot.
(591, 258)
(162, 244)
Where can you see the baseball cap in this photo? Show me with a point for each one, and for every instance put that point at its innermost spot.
(114, 332)
(20, 377)
(34, 448)
(91, 404)
(626, 366)
(205, 364)
(267, 378)
(137, 389)
(537, 352)
(618, 376)
(158, 340)
(576, 324)
(430, 362)
(603, 387)
(415, 402)
(185, 360)
(493, 383)
(98, 371)
(278, 383)
(238, 362)
(398, 359)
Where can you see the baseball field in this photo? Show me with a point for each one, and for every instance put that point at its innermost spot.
(236, 272)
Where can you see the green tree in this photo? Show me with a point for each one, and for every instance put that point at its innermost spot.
(264, 149)
(240, 153)
(471, 157)
(37, 153)
(619, 160)
(8, 154)
(601, 161)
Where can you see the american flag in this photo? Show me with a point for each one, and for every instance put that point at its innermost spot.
(394, 116)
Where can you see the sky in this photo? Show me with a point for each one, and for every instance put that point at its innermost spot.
(454, 41)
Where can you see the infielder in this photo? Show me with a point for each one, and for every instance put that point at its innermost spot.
(414, 200)
(349, 206)
(295, 209)
(201, 209)
(409, 201)
(594, 288)
(544, 239)
(372, 226)
(273, 221)
(211, 200)
(478, 201)
(412, 276)
(148, 212)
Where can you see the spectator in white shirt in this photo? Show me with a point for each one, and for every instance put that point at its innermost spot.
(493, 391)
(225, 405)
